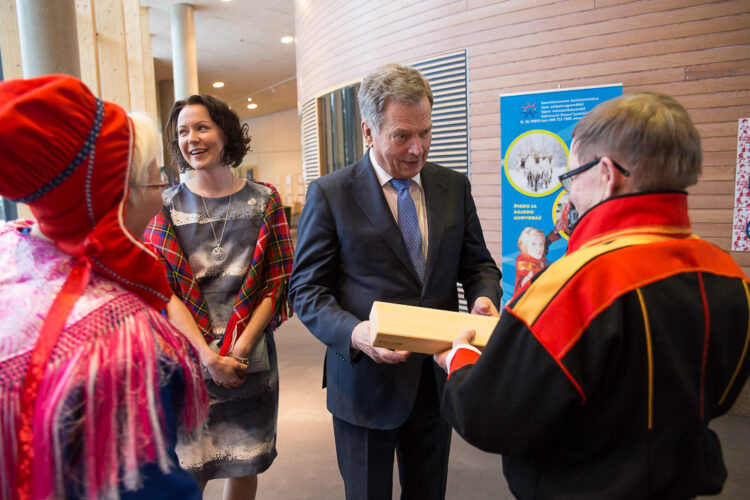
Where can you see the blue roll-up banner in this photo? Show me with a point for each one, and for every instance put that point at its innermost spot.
(535, 131)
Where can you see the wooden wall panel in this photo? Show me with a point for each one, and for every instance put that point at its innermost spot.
(116, 58)
(10, 43)
(697, 51)
(131, 14)
(112, 55)
(87, 48)
(149, 79)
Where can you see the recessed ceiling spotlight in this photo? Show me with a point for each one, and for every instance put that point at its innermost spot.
(218, 85)
(252, 106)
(249, 99)
(226, 0)
(287, 39)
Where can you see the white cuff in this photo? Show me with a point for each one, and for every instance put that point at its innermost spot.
(449, 358)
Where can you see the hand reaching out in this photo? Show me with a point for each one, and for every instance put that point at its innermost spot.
(465, 338)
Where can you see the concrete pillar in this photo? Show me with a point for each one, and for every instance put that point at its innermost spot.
(184, 58)
(49, 39)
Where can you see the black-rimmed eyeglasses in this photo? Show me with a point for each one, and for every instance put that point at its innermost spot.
(567, 177)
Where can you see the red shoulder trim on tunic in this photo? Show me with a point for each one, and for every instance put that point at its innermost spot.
(594, 286)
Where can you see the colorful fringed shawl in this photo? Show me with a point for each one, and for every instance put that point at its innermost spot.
(99, 394)
(269, 271)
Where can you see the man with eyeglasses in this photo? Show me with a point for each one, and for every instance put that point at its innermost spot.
(602, 376)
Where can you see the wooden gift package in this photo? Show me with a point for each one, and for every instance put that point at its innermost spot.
(420, 329)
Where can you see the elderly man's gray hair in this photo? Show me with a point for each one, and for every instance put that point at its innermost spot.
(390, 83)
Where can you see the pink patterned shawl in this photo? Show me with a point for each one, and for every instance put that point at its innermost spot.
(112, 356)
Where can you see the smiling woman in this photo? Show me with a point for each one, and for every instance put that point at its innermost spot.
(228, 252)
(201, 141)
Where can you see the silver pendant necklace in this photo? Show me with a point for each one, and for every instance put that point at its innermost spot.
(218, 253)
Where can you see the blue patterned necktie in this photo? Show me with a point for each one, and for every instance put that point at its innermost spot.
(409, 225)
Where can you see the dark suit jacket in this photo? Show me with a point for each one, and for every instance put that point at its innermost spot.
(350, 252)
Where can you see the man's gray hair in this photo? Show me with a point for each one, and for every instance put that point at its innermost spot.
(390, 83)
(651, 134)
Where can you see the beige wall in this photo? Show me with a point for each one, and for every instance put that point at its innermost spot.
(698, 52)
(276, 155)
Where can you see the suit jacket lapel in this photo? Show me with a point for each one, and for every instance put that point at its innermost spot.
(368, 194)
(434, 188)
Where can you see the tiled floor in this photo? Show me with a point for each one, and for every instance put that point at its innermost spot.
(306, 466)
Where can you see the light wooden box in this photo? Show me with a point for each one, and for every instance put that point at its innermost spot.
(420, 329)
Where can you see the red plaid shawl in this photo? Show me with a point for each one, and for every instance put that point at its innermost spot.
(269, 271)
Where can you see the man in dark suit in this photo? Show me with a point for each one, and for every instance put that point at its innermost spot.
(391, 227)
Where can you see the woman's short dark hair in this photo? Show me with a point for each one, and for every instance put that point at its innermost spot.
(236, 133)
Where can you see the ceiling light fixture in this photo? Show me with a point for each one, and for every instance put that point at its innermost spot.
(261, 91)
(218, 85)
(287, 39)
(252, 106)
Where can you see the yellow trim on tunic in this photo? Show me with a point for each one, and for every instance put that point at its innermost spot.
(543, 290)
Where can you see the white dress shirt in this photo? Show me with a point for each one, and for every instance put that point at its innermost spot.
(391, 196)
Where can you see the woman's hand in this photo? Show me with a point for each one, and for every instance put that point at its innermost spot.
(225, 371)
